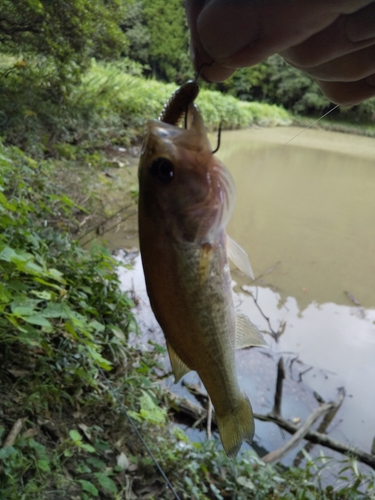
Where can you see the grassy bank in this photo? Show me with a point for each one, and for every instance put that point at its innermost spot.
(109, 107)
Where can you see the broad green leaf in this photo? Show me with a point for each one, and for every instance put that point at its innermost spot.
(5, 203)
(106, 482)
(88, 448)
(102, 362)
(89, 487)
(57, 310)
(29, 338)
(150, 411)
(44, 282)
(118, 332)
(7, 253)
(75, 436)
(42, 295)
(97, 326)
(23, 311)
(37, 319)
(43, 465)
(57, 275)
(7, 452)
(96, 462)
(5, 295)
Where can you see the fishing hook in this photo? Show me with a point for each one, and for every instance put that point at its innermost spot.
(218, 139)
(204, 65)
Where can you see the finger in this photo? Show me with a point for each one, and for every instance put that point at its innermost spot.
(229, 26)
(348, 93)
(347, 34)
(349, 68)
(241, 33)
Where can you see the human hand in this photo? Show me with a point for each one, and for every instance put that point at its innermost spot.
(333, 41)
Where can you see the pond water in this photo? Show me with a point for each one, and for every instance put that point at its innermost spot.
(305, 213)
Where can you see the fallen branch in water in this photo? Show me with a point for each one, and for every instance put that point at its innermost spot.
(196, 412)
(279, 387)
(328, 417)
(276, 455)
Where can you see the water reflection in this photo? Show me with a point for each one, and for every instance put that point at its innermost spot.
(337, 342)
(311, 209)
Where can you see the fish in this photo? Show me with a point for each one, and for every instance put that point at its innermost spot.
(186, 198)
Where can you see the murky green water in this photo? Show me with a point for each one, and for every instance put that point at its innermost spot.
(309, 207)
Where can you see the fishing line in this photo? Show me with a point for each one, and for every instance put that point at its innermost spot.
(136, 431)
(311, 124)
(204, 65)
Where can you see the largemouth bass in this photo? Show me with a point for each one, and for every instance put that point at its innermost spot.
(186, 197)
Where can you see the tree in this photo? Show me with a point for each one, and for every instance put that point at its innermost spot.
(66, 34)
(137, 33)
(169, 47)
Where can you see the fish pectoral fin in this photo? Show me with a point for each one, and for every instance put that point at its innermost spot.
(179, 368)
(247, 334)
(239, 257)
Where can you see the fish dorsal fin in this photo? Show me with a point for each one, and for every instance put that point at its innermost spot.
(247, 334)
(239, 257)
(178, 366)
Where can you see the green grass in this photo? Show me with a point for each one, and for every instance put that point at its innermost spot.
(110, 106)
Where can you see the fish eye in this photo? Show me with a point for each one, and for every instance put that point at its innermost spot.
(162, 169)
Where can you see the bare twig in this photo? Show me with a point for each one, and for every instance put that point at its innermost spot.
(110, 228)
(13, 434)
(275, 334)
(276, 455)
(94, 228)
(300, 375)
(356, 303)
(209, 418)
(272, 268)
(328, 417)
(196, 412)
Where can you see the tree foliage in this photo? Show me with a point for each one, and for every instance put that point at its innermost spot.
(169, 45)
(137, 33)
(67, 34)
(274, 81)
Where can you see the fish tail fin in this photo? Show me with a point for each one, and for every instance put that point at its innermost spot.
(236, 427)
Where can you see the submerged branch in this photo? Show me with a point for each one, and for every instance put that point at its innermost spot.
(279, 387)
(196, 412)
(276, 455)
